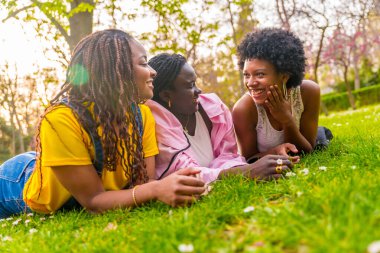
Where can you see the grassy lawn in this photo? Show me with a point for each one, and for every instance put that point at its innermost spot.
(331, 204)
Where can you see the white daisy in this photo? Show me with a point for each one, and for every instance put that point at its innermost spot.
(249, 209)
(186, 247)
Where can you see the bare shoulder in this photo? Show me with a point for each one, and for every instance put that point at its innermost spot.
(309, 88)
(244, 108)
(310, 93)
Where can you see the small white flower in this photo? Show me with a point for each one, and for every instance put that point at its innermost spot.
(7, 238)
(249, 209)
(305, 171)
(42, 218)
(10, 218)
(170, 212)
(353, 167)
(374, 247)
(51, 216)
(1, 220)
(26, 222)
(299, 193)
(110, 226)
(186, 247)
(323, 168)
(30, 214)
(16, 222)
(290, 174)
(32, 231)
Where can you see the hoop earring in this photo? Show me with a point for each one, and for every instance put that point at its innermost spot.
(285, 90)
(169, 104)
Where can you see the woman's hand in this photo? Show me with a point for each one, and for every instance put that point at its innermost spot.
(283, 149)
(278, 106)
(180, 188)
(270, 167)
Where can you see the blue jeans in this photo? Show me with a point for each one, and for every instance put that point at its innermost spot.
(14, 173)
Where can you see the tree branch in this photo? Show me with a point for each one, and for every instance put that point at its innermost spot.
(54, 21)
(14, 13)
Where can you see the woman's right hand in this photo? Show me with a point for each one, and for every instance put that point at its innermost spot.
(265, 167)
(180, 188)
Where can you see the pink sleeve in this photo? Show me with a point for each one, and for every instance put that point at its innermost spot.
(184, 159)
(224, 142)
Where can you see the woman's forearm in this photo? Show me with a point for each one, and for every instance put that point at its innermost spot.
(109, 200)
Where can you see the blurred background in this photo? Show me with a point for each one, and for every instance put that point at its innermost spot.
(341, 40)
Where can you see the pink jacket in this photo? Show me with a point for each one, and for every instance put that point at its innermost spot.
(175, 152)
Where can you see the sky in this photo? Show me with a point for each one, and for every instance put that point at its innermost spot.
(18, 47)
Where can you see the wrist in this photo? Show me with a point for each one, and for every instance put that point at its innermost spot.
(288, 123)
(153, 189)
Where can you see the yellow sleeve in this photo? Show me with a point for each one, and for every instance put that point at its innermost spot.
(63, 140)
(149, 136)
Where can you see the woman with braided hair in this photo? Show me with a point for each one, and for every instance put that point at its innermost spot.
(196, 130)
(96, 142)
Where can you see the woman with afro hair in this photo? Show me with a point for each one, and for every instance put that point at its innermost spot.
(279, 113)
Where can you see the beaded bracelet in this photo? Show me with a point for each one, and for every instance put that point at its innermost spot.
(134, 195)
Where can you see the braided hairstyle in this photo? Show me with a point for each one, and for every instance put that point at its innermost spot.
(279, 47)
(101, 74)
(168, 67)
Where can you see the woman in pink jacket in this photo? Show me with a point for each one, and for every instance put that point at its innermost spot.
(196, 130)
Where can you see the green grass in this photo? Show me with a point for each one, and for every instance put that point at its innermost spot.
(337, 210)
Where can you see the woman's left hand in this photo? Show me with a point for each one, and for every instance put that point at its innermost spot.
(278, 106)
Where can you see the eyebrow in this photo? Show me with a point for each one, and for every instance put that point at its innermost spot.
(144, 57)
(262, 69)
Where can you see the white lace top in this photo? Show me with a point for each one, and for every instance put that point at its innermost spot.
(267, 136)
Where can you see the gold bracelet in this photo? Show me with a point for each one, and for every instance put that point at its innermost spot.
(134, 195)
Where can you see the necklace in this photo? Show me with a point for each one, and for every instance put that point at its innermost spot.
(187, 122)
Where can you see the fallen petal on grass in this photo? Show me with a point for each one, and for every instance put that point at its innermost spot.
(110, 226)
(16, 222)
(186, 247)
(7, 238)
(32, 231)
(374, 247)
(249, 209)
(290, 174)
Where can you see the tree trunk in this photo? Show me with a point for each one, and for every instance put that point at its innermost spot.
(351, 98)
(316, 66)
(80, 23)
(357, 76)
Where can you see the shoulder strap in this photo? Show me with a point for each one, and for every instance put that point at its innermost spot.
(90, 127)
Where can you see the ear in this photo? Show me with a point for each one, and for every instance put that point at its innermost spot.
(165, 96)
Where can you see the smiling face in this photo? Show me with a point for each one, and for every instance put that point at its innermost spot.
(184, 95)
(259, 75)
(143, 73)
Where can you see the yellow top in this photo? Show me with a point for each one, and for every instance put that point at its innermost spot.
(65, 142)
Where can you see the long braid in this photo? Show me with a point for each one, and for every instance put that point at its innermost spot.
(101, 72)
(168, 67)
